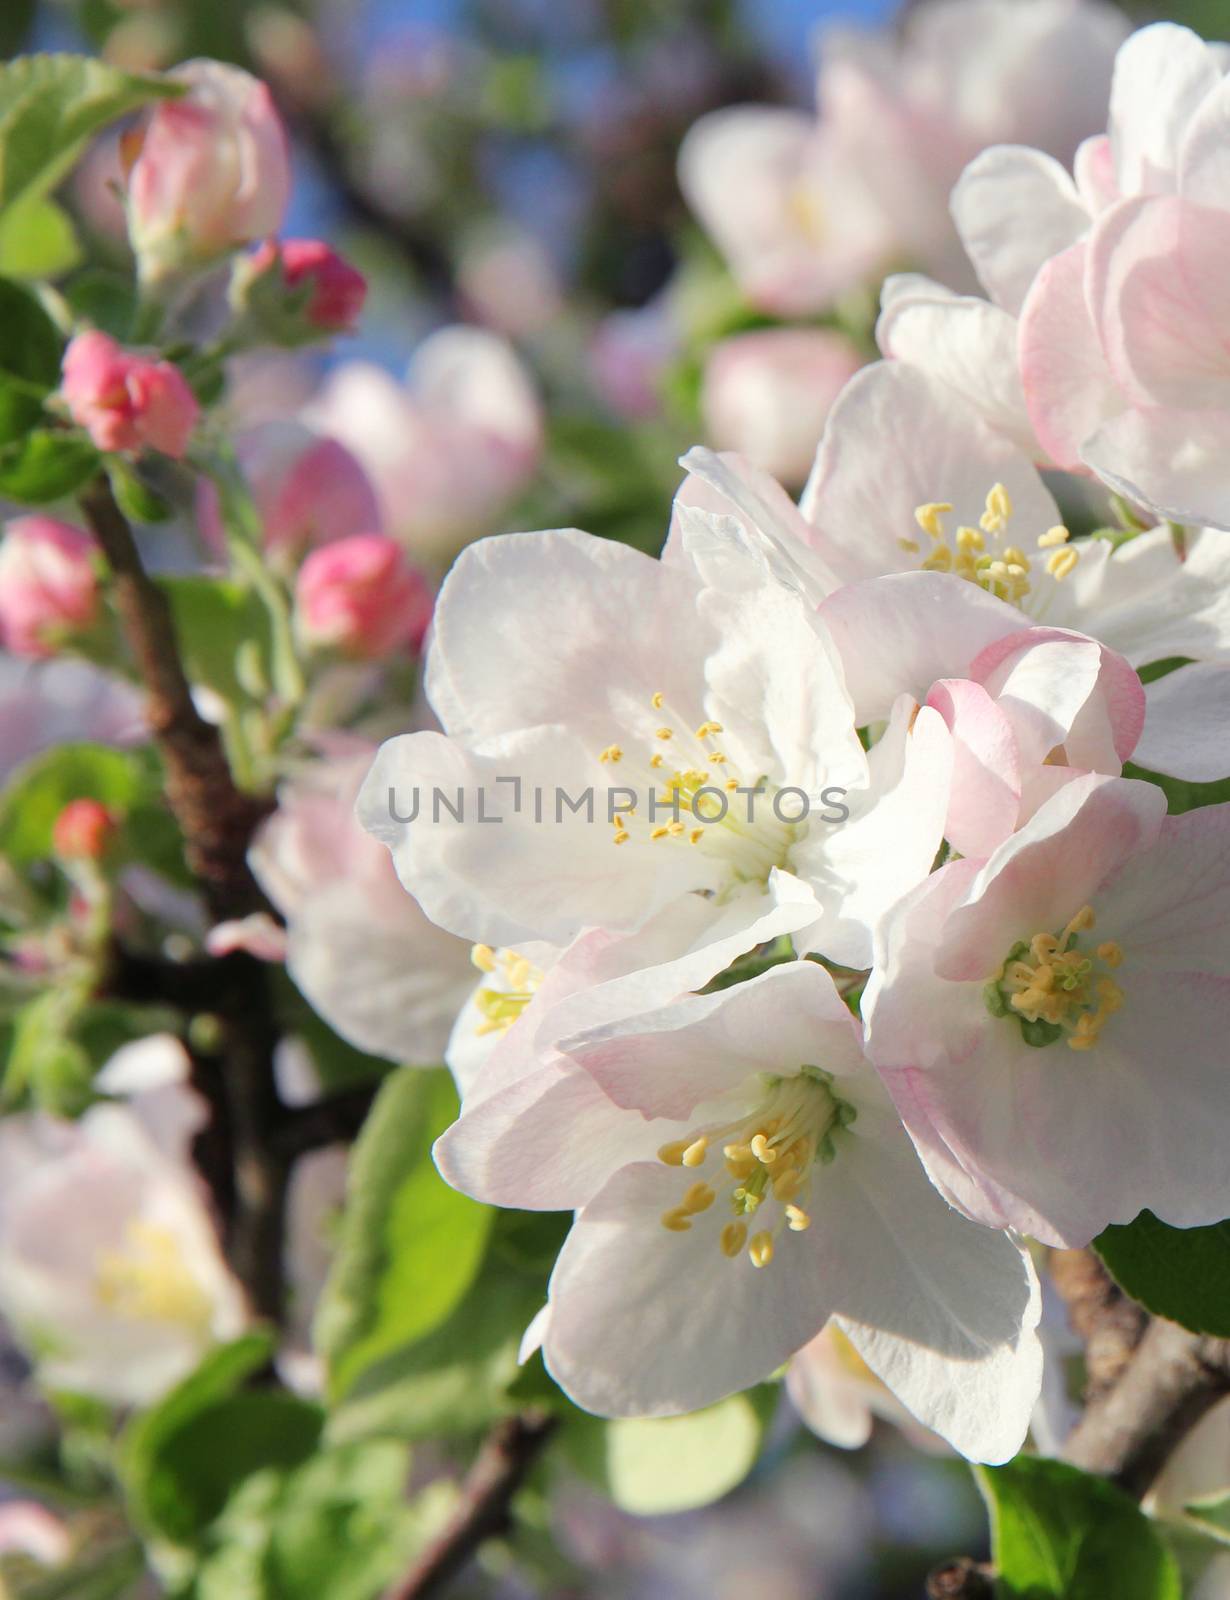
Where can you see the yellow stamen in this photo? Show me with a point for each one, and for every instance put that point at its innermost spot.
(657, 700)
(797, 1220)
(761, 1249)
(698, 1198)
(734, 1234)
(1054, 536)
(483, 957)
(694, 1154)
(611, 753)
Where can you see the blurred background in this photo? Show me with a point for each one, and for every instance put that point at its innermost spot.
(512, 165)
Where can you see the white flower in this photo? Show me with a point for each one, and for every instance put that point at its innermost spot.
(747, 1179)
(110, 1269)
(1051, 1021)
(703, 740)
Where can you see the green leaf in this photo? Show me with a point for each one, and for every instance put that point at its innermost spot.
(410, 1245)
(219, 624)
(38, 791)
(181, 1460)
(1180, 795)
(43, 1059)
(651, 1466)
(104, 299)
(46, 465)
(37, 239)
(133, 495)
(50, 105)
(1059, 1534)
(1179, 1273)
(30, 349)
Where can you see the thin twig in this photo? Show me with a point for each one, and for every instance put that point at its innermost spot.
(1130, 1431)
(1109, 1322)
(500, 1469)
(961, 1579)
(216, 820)
(335, 1119)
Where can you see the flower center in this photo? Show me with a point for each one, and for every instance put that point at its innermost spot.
(982, 555)
(1054, 989)
(148, 1279)
(767, 1161)
(695, 799)
(516, 981)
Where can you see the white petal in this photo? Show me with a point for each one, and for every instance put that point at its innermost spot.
(1187, 729)
(1014, 209)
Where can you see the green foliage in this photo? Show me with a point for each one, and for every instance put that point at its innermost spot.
(223, 634)
(134, 496)
(1179, 1273)
(40, 790)
(30, 348)
(50, 105)
(37, 239)
(46, 465)
(1182, 796)
(1060, 1534)
(105, 300)
(461, 1377)
(1212, 1515)
(410, 1246)
(651, 1466)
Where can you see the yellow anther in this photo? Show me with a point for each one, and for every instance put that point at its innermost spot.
(707, 729)
(731, 784)
(1061, 562)
(928, 517)
(675, 829)
(1111, 952)
(483, 957)
(611, 753)
(698, 1198)
(797, 1220)
(694, 1154)
(911, 546)
(658, 833)
(1016, 557)
(940, 560)
(718, 759)
(970, 539)
(761, 1249)
(655, 761)
(672, 1154)
(665, 733)
(696, 835)
(998, 510)
(1080, 923)
(763, 1150)
(1054, 536)
(621, 837)
(676, 1220)
(657, 700)
(734, 1235)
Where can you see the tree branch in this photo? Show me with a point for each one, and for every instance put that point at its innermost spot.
(216, 821)
(961, 1579)
(502, 1466)
(1108, 1321)
(335, 1119)
(1130, 1430)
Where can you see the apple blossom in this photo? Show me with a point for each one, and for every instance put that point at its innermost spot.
(865, 513)
(49, 586)
(448, 449)
(1050, 1021)
(757, 1182)
(361, 596)
(805, 210)
(126, 401)
(359, 947)
(766, 394)
(267, 281)
(208, 172)
(718, 761)
(111, 1270)
(1187, 723)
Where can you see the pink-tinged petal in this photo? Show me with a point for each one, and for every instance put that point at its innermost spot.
(1069, 389)
(986, 775)
(1093, 168)
(1173, 462)
(1162, 74)
(1157, 290)
(899, 633)
(967, 343)
(647, 1322)
(1041, 684)
(1014, 209)
(1060, 861)
(868, 510)
(1187, 729)
(667, 1063)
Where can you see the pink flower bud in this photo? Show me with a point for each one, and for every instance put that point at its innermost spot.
(82, 831)
(767, 395)
(126, 401)
(48, 585)
(363, 597)
(208, 173)
(338, 290)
